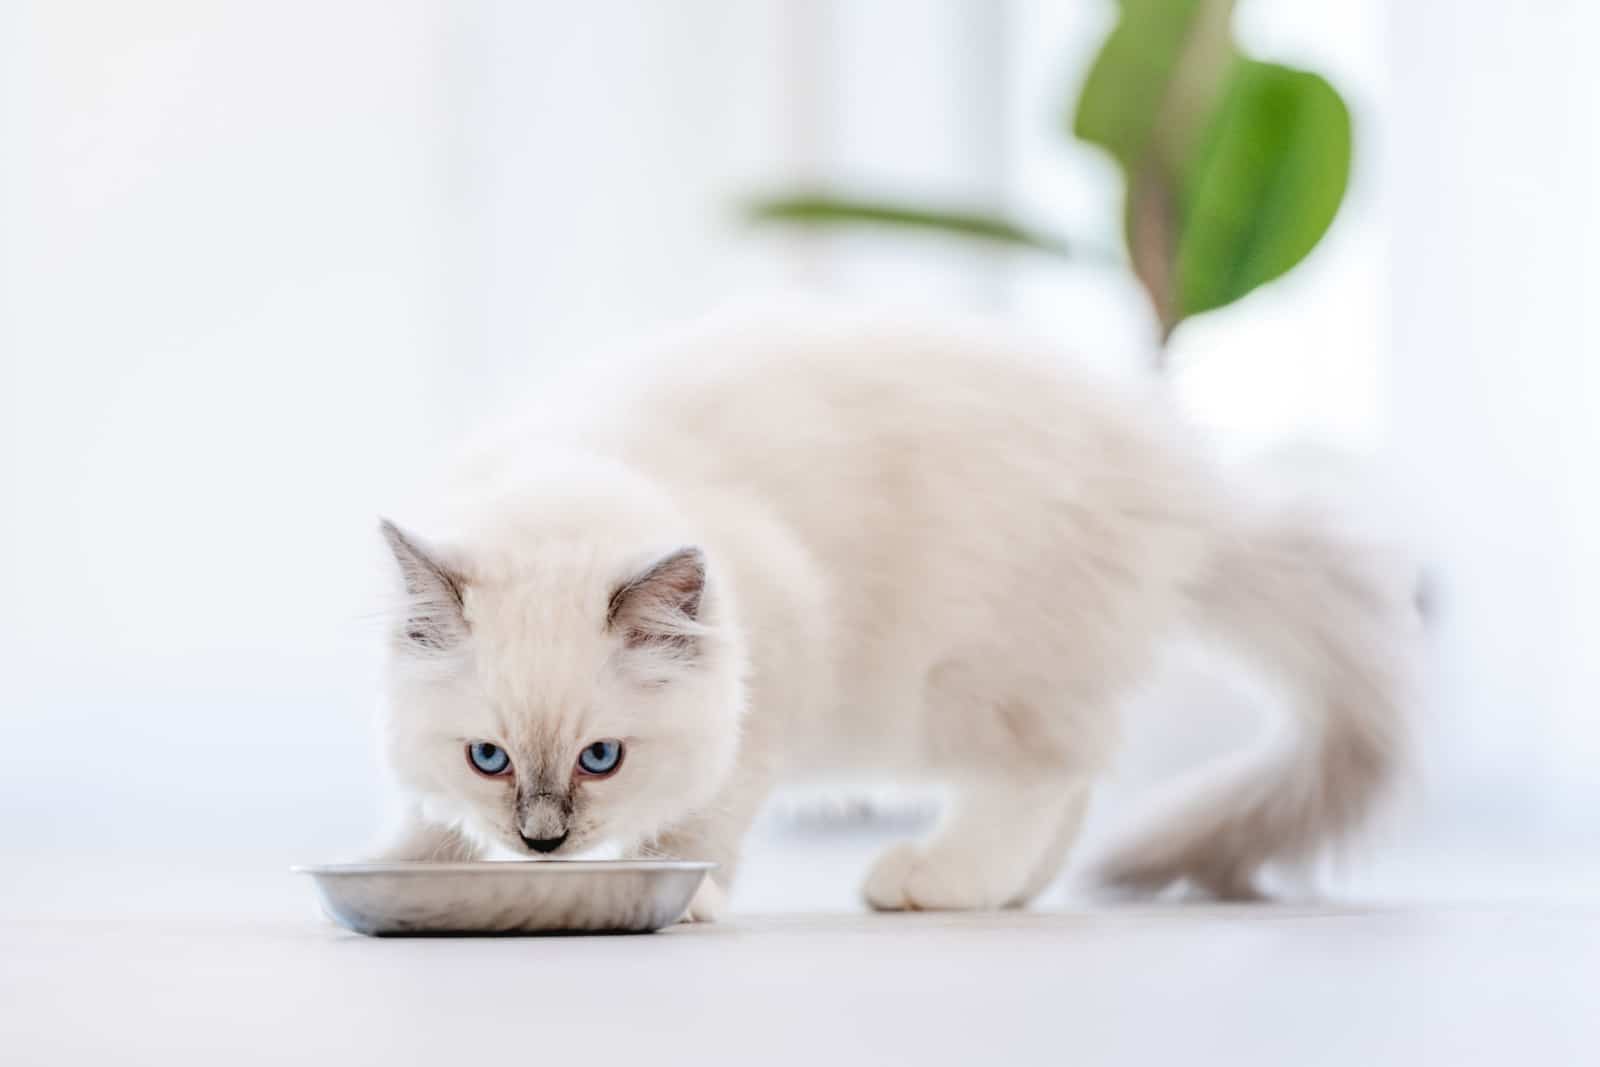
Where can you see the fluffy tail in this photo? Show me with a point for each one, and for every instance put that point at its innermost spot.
(1319, 611)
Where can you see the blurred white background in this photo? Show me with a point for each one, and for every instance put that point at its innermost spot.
(258, 261)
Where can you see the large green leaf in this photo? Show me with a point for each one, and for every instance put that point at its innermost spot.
(1264, 186)
(1234, 167)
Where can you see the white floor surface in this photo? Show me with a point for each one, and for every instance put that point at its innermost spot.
(165, 964)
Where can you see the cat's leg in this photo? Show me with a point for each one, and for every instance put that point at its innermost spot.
(1000, 843)
(1055, 855)
(715, 834)
(417, 840)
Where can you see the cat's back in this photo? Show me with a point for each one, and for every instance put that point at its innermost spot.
(849, 426)
(869, 432)
(796, 388)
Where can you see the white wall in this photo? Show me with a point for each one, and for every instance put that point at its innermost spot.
(1496, 391)
(217, 260)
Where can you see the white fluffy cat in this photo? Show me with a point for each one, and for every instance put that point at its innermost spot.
(842, 551)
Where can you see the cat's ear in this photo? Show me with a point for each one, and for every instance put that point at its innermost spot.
(660, 606)
(433, 618)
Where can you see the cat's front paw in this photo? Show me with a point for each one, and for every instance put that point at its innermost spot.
(912, 877)
(708, 903)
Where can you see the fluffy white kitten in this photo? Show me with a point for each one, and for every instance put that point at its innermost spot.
(824, 550)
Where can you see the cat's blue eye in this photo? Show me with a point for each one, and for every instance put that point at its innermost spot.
(600, 758)
(487, 758)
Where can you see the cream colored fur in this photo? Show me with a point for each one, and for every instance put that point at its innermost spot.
(930, 554)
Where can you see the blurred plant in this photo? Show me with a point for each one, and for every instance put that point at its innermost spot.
(1233, 168)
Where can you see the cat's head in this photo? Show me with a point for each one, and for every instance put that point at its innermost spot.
(555, 694)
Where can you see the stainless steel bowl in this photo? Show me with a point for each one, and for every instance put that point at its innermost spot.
(515, 897)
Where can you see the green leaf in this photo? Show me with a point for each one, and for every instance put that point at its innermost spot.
(820, 210)
(1264, 186)
(1122, 100)
(1234, 167)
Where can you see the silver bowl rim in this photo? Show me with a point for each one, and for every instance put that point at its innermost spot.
(501, 867)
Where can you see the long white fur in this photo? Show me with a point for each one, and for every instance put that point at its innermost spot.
(934, 553)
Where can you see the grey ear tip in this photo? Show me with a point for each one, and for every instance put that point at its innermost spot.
(391, 532)
(399, 542)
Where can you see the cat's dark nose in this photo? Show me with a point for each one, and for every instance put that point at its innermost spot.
(543, 844)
